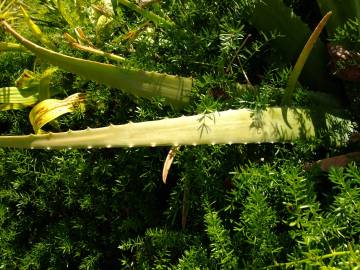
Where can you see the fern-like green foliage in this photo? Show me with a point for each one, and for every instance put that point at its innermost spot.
(224, 206)
(222, 252)
(348, 34)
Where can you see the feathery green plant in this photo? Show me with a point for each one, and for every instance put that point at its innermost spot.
(81, 209)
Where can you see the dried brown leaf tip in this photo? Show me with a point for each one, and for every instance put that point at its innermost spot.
(168, 161)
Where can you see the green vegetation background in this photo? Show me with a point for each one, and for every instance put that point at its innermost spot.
(224, 206)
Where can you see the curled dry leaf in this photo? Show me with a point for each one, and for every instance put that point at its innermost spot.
(49, 109)
(168, 161)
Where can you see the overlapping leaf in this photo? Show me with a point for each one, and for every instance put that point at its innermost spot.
(29, 89)
(50, 109)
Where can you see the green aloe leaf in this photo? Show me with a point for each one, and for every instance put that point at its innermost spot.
(175, 89)
(44, 83)
(342, 10)
(293, 78)
(36, 31)
(227, 127)
(28, 90)
(271, 16)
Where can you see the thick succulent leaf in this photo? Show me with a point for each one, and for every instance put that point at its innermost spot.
(338, 161)
(294, 76)
(227, 127)
(342, 11)
(147, 14)
(12, 106)
(175, 89)
(26, 79)
(273, 16)
(73, 42)
(27, 90)
(44, 87)
(168, 161)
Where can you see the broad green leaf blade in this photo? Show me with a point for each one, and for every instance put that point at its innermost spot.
(27, 90)
(26, 79)
(50, 109)
(66, 14)
(12, 106)
(44, 87)
(101, 24)
(72, 41)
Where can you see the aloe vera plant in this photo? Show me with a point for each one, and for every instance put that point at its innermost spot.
(342, 12)
(227, 127)
(13, 94)
(175, 89)
(274, 16)
(293, 78)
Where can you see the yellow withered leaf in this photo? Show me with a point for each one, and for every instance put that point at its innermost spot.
(69, 38)
(29, 89)
(49, 109)
(26, 79)
(168, 161)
